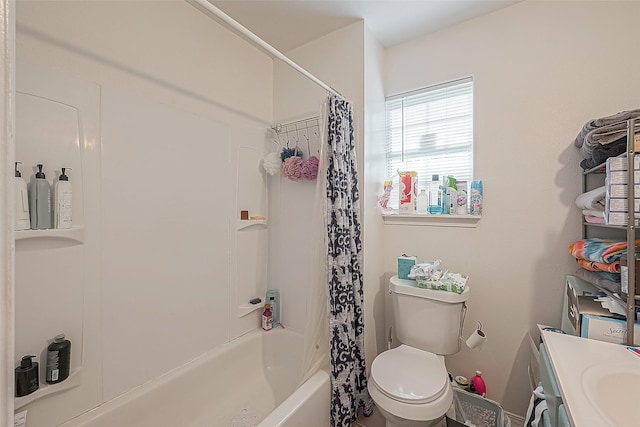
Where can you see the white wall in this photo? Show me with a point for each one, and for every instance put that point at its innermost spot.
(336, 59)
(373, 177)
(178, 95)
(541, 70)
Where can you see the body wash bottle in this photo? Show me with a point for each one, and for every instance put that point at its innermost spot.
(22, 201)
(62, 207)
(40, 202)
(26, 377)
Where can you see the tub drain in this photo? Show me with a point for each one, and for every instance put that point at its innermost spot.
(244, 419)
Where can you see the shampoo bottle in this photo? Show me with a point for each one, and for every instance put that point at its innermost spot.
(26, 377)
(62, 206)
(22, 201)
(40, 202)
(58, 360)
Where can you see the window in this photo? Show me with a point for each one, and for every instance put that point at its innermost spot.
(430, 131)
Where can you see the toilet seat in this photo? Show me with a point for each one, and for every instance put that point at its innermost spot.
(410, 375)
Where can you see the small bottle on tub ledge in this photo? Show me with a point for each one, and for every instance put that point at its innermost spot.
(267, 318)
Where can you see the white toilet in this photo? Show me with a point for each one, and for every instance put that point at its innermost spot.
(410, 384)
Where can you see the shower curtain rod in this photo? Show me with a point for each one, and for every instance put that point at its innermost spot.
(264, 45)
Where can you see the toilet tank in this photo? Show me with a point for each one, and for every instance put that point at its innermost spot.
(427, 319)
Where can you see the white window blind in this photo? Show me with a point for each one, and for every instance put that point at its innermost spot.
(430, 131)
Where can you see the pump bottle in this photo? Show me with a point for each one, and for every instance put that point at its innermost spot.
(62, 207)
(26, 377)
(40, 202)
(22, 201)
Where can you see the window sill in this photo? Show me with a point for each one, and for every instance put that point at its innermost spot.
(461, 221)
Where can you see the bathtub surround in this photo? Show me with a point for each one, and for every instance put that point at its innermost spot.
(344, 275)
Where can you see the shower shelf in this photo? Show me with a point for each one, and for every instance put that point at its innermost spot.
(245, 223)
(245, 309)
(75, 234)
(74, 380)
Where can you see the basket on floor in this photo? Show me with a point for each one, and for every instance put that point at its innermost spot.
(475, 410)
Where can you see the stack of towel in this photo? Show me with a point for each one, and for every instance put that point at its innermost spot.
(592, 203)
(600, 259)
(605, 137)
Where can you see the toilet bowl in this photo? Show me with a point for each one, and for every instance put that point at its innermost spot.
(410, 387)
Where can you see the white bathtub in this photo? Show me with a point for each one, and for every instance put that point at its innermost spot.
(247, 383)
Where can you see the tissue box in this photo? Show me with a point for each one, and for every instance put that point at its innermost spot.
(607, 329)
(405, 262)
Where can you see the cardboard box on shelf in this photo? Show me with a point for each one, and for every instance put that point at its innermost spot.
(607, 329)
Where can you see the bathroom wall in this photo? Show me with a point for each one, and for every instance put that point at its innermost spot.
(336, 59)
(541, 70)
(183, 103)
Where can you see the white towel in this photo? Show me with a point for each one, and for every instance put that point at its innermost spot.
(594, 199)
(534, 413)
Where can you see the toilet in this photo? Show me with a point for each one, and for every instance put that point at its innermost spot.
(410, 384)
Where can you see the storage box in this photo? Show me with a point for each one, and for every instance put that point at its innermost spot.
(619, 218)
(405, 262)
(621, 190)
(607, 329)
(622, 177)
(622, 163)
(620, 205)
(581, 305)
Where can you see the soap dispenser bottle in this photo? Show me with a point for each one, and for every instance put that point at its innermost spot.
(26, 377)
(22, 201)
(62, 206)
(40, 202)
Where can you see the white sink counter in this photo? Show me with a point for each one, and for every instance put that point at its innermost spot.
(599, 381)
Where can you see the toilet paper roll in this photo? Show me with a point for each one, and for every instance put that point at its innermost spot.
(476, 339)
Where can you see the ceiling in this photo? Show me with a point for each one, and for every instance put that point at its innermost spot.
(288, 24)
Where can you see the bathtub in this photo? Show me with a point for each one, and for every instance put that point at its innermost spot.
(249, 382)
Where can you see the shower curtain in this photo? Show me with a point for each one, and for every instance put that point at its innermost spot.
(343, 267)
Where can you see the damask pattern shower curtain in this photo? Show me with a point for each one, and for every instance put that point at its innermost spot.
(344, 264)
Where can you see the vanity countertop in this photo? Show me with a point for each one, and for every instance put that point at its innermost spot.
(599, 381)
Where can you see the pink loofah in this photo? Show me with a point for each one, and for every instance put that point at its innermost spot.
(309, 168)
(291, 168)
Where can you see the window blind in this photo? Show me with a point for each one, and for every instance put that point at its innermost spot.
(430, 131)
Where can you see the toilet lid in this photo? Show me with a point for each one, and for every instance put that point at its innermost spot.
(409, 375)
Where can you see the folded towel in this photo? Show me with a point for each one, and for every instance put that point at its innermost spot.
(593, 212)
(613, 267)
(602, 136)
(601, 153)
(594, 199)
(604, 280)
(593, 124)
(592, 219)
(599, 250)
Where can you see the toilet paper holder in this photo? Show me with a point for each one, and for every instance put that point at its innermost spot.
(477, 338)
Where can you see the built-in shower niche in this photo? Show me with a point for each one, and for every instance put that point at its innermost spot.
(50, 265)
(250, 254)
